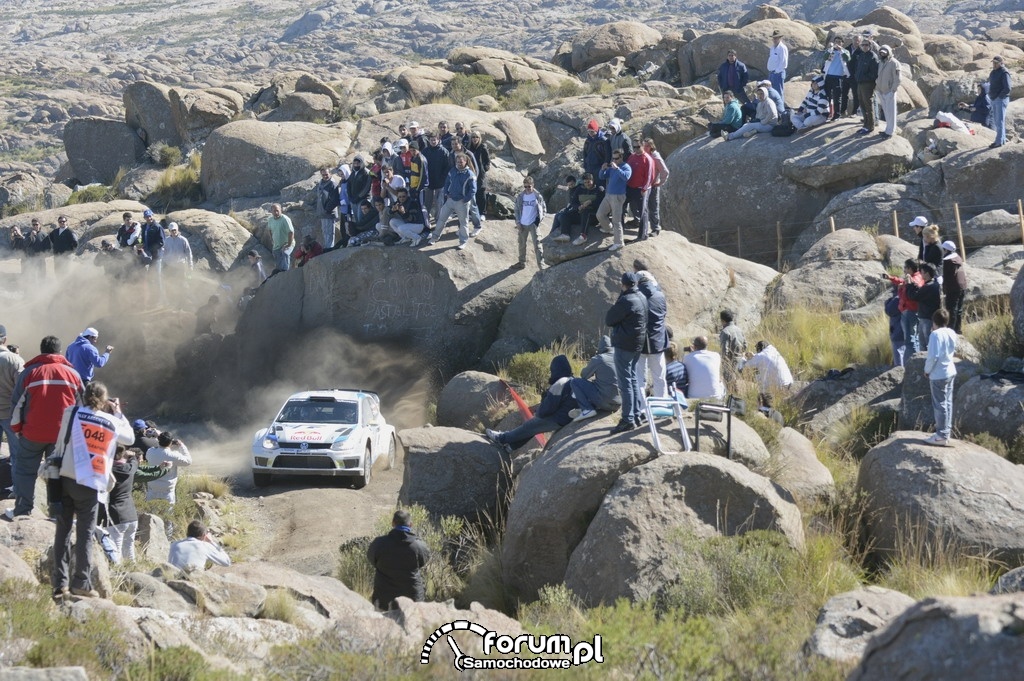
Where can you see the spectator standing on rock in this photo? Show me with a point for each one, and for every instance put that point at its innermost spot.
(258, 274)
(357, 187)
(778, 62)
(638, 186)
(37, 247)
(867, 75)
(46, 387)
(529, 212)
(929, 300)
(597, 388)
(192, 553)
(907, 305)
(733, 76)
(124, 517)
(704, 372)
(941, 372)
(999, 95)
(438, 164)
(474, 211)
(483, 166)
(459, 191)
(88, 437)
(652, 357)
(661, 173)
(732, 343)
(850, 88)
(615, 174)
(628, 320)
(63, 243)
(837, 71)
(596, 150)
(444, 135)
(417, 138)
(918, 224)
(397, 559)
(129, 233)
(954, 284)
(554, 411)
(282, 235)
(178, 256)
(171, 449)
(617, 139)
(888, 84)
(84, 356)
(328, 199)
(11, 364)
(732, 116)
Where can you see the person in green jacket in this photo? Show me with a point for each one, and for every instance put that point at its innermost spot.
(732, 119)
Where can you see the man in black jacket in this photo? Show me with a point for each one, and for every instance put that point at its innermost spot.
(929, 299)
(867, 74)
(439, 162)
(63, 242)
(397, 558)
(628, 319)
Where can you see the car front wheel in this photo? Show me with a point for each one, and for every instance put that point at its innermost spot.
(392, 449)
(364, 479)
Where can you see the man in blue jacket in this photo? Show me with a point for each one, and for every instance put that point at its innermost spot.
(553, 412)
(628, 319)
(459, 190)
(615, 173)
(84, 356)
(999, 95)
(733, 75)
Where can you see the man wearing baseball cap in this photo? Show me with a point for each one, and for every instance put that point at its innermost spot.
(954, 283)
(84, 356)
(918, 224)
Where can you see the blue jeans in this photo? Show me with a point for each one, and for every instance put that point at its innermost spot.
(909, 323)
(585, 392)
(924, 329)
(25, 471)
(282, 261)
(778, 81)
(999, 118)
(517, 437)
(942, 403)
(629, 386)
(13, 441)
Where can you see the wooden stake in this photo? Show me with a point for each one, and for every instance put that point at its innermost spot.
(1020, 214)
(739, 250)
(959, 230)
(895, 225)
(832, 224)
(778, 241)
(707, 240)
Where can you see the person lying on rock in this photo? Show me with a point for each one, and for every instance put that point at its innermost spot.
(553, 412)
(197, 548)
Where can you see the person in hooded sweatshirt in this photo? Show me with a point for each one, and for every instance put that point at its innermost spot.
(553, 412)
(954, 284)
(981, 109)
(397, 558)
(652, 359)
(597, 388)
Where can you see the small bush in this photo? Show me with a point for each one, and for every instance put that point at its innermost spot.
(281, 606)
(861, 430)
(925, 565)
(532, 369)
(96, 193)
(164, 154)
(814, 341)
(462, 88)
(204, 482)
(524, 95)
(175, 664)
(993, 335)
(989, 442)
(569, 88)
(354, 570)
(179, 186)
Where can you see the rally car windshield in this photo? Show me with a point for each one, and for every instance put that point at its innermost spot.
(300, 411)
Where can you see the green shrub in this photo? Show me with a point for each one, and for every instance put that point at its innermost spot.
(175, 664)
(862, 429)
(524, 95)
(531, 370)
(993, 334)
(814, 341)
(569, 88)
(989, 442)
(97, 193)
(179, 186)
(164, 154)
(280, 605)
(463, 88)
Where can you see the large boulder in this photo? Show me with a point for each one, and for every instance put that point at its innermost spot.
(993, 405)
(928, 641)
(558, 495)
(218, 241)
(1006, 260)
(450, 471)
(887, 17)
(417, 623)
(978, 508)
(197, 113)
(1010, 582)
(587, 286)
(421, 81)
(254, 158)
(848, 621)
(25, 188)
(325, 595)
(992, 228)
(466, 398)
(437, 304)
(14, 568)
(626, 552)
(826, 403)
(916, 409)
(149, 592)
(795, 466)
(98, 148)
(221, 595)
(310, 107)
(793, 179)
(148, 107)
(615, 39)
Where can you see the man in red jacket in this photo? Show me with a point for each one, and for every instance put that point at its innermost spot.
(639, 185)
(47, 386)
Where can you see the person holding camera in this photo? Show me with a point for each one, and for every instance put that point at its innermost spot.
(121, 511)
(85, 449)
(168, 449)
(196, 549)
(84, 356)
(837, 71)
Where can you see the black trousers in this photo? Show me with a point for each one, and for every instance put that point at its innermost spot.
(835, 86)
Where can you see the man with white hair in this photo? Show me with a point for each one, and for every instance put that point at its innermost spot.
(84, 356)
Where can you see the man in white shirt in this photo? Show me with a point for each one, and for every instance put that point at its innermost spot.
(778, 62)
(704, 369)
(177, 262)
(193, 552)
(773, 375)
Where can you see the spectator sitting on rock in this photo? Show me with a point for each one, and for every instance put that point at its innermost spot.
(553, 412)
(929, 299)
(597, 388)
(815, 108)
(773, 375)
(307, 250)
(364, 230)
(589, 195)
(407, 219)
(564, 219)
(767, 117)
(750, 109)
(197, 549)
(397, 559)
(732, 117)
(675, 374)
(981, 109)
(704, 372)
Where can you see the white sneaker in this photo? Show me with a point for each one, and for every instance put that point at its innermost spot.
(607, 230)
(585, 414)
(614, 247)
(492, 435)
(475, 232)
(573, 413)
(461, 246)
(9, 514)
(432, 241)
(937, 441)
(562, 238)
(415, 242)
(401, 241)
(579, 241)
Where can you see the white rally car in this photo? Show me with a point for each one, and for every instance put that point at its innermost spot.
(324, 432)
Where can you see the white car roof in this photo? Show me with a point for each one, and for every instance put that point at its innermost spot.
(337, 395)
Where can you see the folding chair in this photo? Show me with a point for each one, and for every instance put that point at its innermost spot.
(713, 412)
(661, 407)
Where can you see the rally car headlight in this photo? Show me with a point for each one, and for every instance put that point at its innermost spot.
(269, 443)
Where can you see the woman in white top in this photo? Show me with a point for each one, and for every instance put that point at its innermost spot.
(941, 373)
(169, 449)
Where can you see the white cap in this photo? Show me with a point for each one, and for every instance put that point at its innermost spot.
(172, 226)
(919, 221)
(91, 333)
